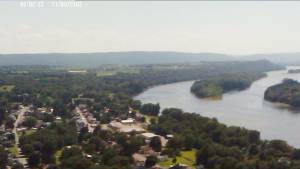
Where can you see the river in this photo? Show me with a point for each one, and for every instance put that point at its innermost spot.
(245, 109)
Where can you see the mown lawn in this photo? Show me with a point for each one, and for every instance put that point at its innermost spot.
(186, 157)
(6, 88)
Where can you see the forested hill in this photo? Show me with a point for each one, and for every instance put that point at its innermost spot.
(279, 58)
(287, 92)
(89, 60)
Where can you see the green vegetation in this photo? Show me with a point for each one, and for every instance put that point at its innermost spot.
(110, 98)
(185, 157)
(105, 73)
(221, 147)
(114, 71)
(50, 139)
(27, 132)
(149, 118)
(214, 87)
(205, 89)
(30, 122)
(155, 144)
(3, 157)
(151, 161)
(6, 88)
(287, 92)
(150, 109)
(13, 150)
(57, 156)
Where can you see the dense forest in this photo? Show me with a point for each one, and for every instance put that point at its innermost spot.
(214, 87)
(287, 92)
(57, 142)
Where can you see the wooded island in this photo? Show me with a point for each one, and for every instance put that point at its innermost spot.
(215, 87)
(287, 92)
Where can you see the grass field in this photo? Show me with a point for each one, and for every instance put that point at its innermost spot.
(186, 157)
(129, 71)
(106, 73)
(14, 150)
(57, 155)
(26, 132)
(101, 73)
(6, 88)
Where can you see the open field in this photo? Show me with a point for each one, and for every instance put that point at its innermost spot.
(26, 132)
(105, 73)
(113, 72)
(57, 155)
(186, 157)
(6, 88)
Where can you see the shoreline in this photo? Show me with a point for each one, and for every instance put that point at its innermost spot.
(206, 108)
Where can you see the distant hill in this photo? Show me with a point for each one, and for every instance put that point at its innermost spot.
(279, 58)
(91, 60)
(96, 59)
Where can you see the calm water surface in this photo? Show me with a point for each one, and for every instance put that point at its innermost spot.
(246, 108)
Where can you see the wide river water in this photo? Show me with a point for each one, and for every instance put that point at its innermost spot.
(246, 108)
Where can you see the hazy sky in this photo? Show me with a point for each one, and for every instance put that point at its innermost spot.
(222, 27)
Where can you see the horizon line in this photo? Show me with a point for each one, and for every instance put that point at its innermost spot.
(151, 51)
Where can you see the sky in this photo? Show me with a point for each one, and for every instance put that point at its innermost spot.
(236, 28)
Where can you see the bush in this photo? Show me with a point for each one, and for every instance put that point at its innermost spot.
(150, 109)
(151, 161)
(30, 122)
(155, 143)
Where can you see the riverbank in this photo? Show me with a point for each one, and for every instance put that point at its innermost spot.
(246, 108)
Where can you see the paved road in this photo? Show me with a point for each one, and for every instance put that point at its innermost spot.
(22, 111)
(84, 120)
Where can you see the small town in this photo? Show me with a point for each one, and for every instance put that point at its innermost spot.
(27, 119)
